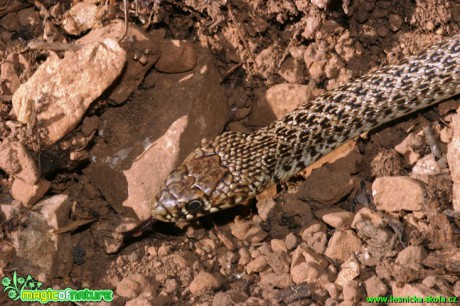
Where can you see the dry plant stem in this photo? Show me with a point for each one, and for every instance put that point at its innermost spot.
(230, 72)
(434, 146)
(125, 4)
(286, 51)
(54, 46)
(240, 33)
(294, 293)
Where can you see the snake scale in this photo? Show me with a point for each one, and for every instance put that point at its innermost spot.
(234, 167)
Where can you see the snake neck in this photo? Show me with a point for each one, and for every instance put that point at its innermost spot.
(286, 146)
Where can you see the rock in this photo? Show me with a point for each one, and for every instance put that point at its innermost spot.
(129, 288)
(89, 125)
(81, 17)
(395, 22)
(266, 61)
(332, 185)
(6, 255)
(305, 272)
(255, 234)
(171, 286)
(365, 214)
(275, 280)
(312, 25)
(9, 75)
(336, 217)
(321, 4)
(316, 70)
(176, 57)
(202, 282)
(10, 22)
(107, 232)
(29, 18)
(342, 244)
(293, 71)
(412, 255)
(425, 167)
(279, 100)
(304, 254)
(351, 292)
(398, 193)
(278, 261)
(29, 194)
(375, 287)
(349, 270)
(315, 236)
(229, 298)
(239, 228)
(291, 241)
(38, 249)
(171, 118)
(408, 148)
(61, 90)
(332, 289)
(453, 152)
(383, 30)
(245, 257)
(142, 51)
(257, 265)
(140, 301)
(332, 68)
(278, 245)
(445, 135)
(16, 161)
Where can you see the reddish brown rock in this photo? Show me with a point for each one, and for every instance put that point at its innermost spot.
(279, 262)
(398, 193)
(349, 270)
(176, 57)
(80, 18)
(453, 152)
(412, 255)
(61, 90)
(202, 282)
(351, 292)
(331, 185)
(257, 265)
(335, 217)
(375, 287)
(342, 245)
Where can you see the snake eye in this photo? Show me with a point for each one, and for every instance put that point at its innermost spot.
(194, 207)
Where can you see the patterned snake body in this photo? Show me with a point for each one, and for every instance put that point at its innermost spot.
(235, 167)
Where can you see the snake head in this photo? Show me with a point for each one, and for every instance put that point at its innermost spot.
(190, 190)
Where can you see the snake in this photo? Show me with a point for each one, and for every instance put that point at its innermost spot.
(234, 167)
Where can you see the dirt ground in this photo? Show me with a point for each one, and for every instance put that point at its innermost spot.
(378, 217)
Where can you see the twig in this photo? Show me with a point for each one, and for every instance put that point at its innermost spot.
(230, 71)
(125, 4)
(286, 51)
(294, 293)
(434, 146)
(55, 46)
(240, 32)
